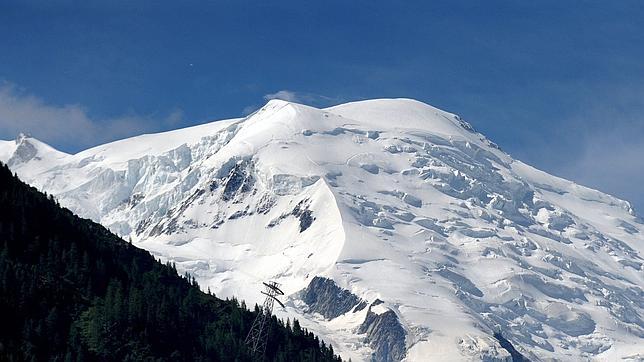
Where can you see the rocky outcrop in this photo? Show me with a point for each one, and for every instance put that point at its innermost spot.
(301, 212)
(384, 333)
(239, 180)
(516, 355)
(327, 298)
(305, 215)
(24, 152)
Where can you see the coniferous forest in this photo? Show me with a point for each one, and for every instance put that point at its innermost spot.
(72, 291)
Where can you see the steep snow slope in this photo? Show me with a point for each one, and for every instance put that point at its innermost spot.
(397, 231)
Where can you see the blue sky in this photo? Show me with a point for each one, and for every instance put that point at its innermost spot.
(558, 84)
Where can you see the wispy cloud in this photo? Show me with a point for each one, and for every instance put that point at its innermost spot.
(285, 95)
(249, 109)
(309, 99)
(608, 134)
(69, 126)
(611, 161)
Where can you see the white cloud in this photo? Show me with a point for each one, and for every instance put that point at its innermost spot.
(284, 95)
(611, 161)
(315, 100)
(606, 148)
(20, 112)
(249, 109)
(310, 99)
(175, 117)
(69, 125)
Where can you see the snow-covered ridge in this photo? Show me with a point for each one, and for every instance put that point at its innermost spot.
(395, 228)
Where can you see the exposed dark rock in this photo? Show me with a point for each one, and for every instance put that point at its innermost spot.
(516, 355)
(217, 224)
(172, 226)
(265, 204)
(142, 225)
(24, 152)
(237, 215)
(305, 215)
(466, 125)
(325, 297)
(362, 305)
(385, 335)
(135, 199)
(275, 222)
(306, 220)
(301, 211)
(238, 180)
(372, 134)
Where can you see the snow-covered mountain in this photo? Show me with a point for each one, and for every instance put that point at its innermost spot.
(396, 230)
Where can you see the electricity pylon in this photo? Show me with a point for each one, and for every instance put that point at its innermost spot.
(258, 335)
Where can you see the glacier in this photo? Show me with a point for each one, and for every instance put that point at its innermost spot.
(396, 230)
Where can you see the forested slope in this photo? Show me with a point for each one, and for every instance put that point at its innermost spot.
(71, 290)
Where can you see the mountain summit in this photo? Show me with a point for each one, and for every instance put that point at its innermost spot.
(397, 231)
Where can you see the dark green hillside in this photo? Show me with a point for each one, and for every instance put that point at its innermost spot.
(72, 291)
